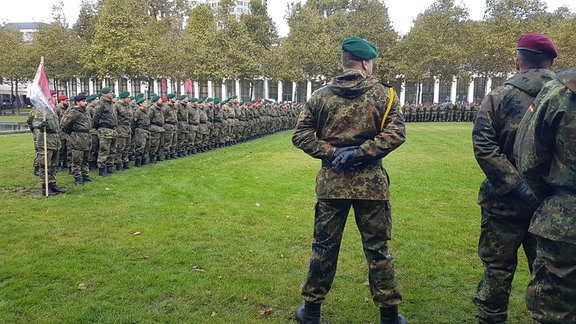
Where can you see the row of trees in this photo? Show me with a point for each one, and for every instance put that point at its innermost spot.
(181, 39)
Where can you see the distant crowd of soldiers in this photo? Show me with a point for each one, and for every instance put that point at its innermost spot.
(106, 132)
(445, 112)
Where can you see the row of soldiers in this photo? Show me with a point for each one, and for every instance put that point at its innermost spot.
(445, 112)
(107, 132)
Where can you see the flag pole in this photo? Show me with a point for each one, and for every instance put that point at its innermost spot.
(46, 192)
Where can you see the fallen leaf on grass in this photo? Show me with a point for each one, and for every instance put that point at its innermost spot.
(257, 204)
(245, 298)
(265, 312)
(197, 268)
(137, 233)
(213, 314)
(82, 286)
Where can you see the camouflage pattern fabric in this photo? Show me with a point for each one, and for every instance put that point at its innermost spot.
(50, 150)
(546, 153)
(106, 121)
(493, 138)
(77, 125)
(348, 111)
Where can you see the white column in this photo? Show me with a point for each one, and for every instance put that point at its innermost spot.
(266, 89)
(420, 86)
(182, 88)
(223, 91)
(78, 85)
(471, 90)
(116, 87)
(196, 89)
(402, 96)
(103, 83)
(130, 89)
(453, 89)
(436, 89)
(210, 90)
(488, 86)
(237, 91)
(91, 86)
(308, 90)
(279, 92)
(156, 87)
(294, 86)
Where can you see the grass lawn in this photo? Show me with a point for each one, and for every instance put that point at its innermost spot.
(224, 237)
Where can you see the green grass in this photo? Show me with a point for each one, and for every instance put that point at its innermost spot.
(221, 236)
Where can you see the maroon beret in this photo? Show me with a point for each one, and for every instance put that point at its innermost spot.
(537, 43)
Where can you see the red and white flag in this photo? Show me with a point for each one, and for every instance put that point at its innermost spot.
(39, 91)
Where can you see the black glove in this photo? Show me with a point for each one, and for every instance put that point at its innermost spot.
(522, 190)
(43, 124)
(344, 158)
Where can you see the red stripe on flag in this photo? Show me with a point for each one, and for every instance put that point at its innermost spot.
(39, 91)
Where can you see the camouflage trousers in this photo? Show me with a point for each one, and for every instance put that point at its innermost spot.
(552, 289)
(500, 240)
(374, 221)
(52, 159)
(123, 148)
(107, 147)
(79, 163)
(141, 142)
(154, 142)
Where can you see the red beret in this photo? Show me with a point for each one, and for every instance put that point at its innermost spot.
(538, 43)
(164, 99)
(62, 97)
(52, 92)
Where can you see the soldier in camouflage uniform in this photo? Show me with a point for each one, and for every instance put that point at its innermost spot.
(351, 124)
(77, 125)
(60, 109)
(105, 122)
(141, 124)
(546, 157)
(34, 116)
(507, 202)
(125, 113)
(170, 111)
(48, 127)
(156, 128)
(93, 101)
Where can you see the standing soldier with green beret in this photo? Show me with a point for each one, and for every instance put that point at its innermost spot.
(141, 123)
(193, 128)
(183, 136)
(506, 201)
(170, 112)
(93, 101)
(156, 128)
(546, 156)
(105, 122)
(77, 125)
(351, 124)
(124, 129)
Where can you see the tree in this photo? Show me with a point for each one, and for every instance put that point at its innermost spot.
(120, 47)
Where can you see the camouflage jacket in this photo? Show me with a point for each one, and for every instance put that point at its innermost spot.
(348, 111)
(546, 153)
(493, 138)
(77, 124)
(105, 115)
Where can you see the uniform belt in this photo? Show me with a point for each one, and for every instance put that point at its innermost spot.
(564, 191)
(170, 123)
(328, 164)
(81, 131)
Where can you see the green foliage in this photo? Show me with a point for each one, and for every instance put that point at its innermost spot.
(219, 237)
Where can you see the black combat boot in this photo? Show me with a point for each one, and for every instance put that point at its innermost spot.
(309, 313)
(110, 169)
(138, 162)
(55, 188)
(86, 178)
(36, 171)
(143, 162)
(389, 315)
(119, 167)
(79, 181)
(102, 172)
(126, 165)
(50, 191)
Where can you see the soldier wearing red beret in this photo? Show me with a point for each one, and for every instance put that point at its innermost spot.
(506, 201)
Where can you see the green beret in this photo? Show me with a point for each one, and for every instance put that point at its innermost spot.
(154, 98)
(171, 95)
(140, 100)
(153, 94)
(140, 95)
(359, 47)
(182, 97)
(104, 90)
(192, 99)
(92, 97)
(233, 97)
(216, 100)
(209, 99)
(123, 94)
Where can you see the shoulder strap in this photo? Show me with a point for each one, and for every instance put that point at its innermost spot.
(388, 107)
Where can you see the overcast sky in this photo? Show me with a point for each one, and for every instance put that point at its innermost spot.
(401, 12)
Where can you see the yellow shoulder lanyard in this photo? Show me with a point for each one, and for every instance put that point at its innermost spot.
(390, 102)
